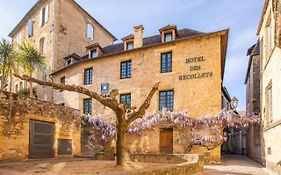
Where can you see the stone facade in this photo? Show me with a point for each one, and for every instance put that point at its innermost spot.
(252, 81)
(16, 112)
(270, 83)
(200, 96)
(64, 33)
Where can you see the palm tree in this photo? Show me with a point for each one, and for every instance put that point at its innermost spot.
(31, 60)
(8, 63)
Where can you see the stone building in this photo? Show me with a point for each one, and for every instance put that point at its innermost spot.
(269, 32)
(57, 28)
(252, 82)
(31, 128)
(189, 64)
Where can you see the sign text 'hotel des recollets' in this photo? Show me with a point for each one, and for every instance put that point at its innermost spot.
(194, 67)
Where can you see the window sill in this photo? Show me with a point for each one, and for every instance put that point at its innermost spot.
(126, 78)
(166, 73)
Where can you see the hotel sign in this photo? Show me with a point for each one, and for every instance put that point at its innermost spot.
(195, 69)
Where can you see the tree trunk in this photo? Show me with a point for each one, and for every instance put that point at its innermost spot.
(3, 82)
(30, 86)
(120, 145)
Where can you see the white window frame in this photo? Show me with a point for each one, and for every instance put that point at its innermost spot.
(90, 31)
(46, 15)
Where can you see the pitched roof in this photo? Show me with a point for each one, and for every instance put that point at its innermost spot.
(73, 55)
(262, 15)
(252, 51)
(156, 39)
(152, 41)
(38, 3)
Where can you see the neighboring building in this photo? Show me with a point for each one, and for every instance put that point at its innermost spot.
(269, 31)
(57, 28)
(252, 82)
(31, 128)
(189, 64)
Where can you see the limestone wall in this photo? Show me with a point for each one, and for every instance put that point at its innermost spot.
(15, 114)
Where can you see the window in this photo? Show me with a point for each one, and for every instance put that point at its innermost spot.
(30, 27)
(88, 76)
(44, 15)
(90, 31)
(269, 112)
(166, 62)
(17, 88)
(21, 86)
(68, 62)
(104, 88)
(168, 37)
(126, 99)
(87, 109)
(41, 45)
(19, 38)
(126, 69)
(269, 39)
(130, 45)
(166, 100)
(62, 80)
(93, 53)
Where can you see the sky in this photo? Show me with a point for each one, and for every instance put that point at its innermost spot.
(119, 17)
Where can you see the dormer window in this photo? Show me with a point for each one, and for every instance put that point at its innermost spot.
(93, 53)
(68, 62)
(168, 33)
(94, 50)
(130, 45)
(168, 37)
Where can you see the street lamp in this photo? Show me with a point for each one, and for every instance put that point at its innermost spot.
(234, 103)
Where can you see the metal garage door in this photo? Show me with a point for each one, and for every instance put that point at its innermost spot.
(41, 140)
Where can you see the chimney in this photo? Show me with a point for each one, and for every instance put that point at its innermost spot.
(138, 36)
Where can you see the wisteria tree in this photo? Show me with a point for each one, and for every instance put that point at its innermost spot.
(134, 120)
(124, 115)
(206, 132)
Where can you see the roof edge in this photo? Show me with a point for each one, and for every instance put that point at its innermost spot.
(220, 32)
(262, 16)
(16, 28)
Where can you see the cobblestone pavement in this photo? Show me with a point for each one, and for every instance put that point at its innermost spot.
(236, 165)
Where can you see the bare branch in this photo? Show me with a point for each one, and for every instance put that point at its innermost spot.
(139, 113)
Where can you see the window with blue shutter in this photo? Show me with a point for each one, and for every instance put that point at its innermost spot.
(126, 99)
(166, 100)
(87, 108)
(166, 62)
(88, 76)
(126, 71)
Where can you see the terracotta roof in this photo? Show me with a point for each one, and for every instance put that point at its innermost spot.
(38, 3)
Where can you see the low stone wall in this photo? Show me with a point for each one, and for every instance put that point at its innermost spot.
(192, 164)
(164, 158)
(15, 115)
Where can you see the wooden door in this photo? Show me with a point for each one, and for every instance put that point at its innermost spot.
(41, 140)
(166, 140)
